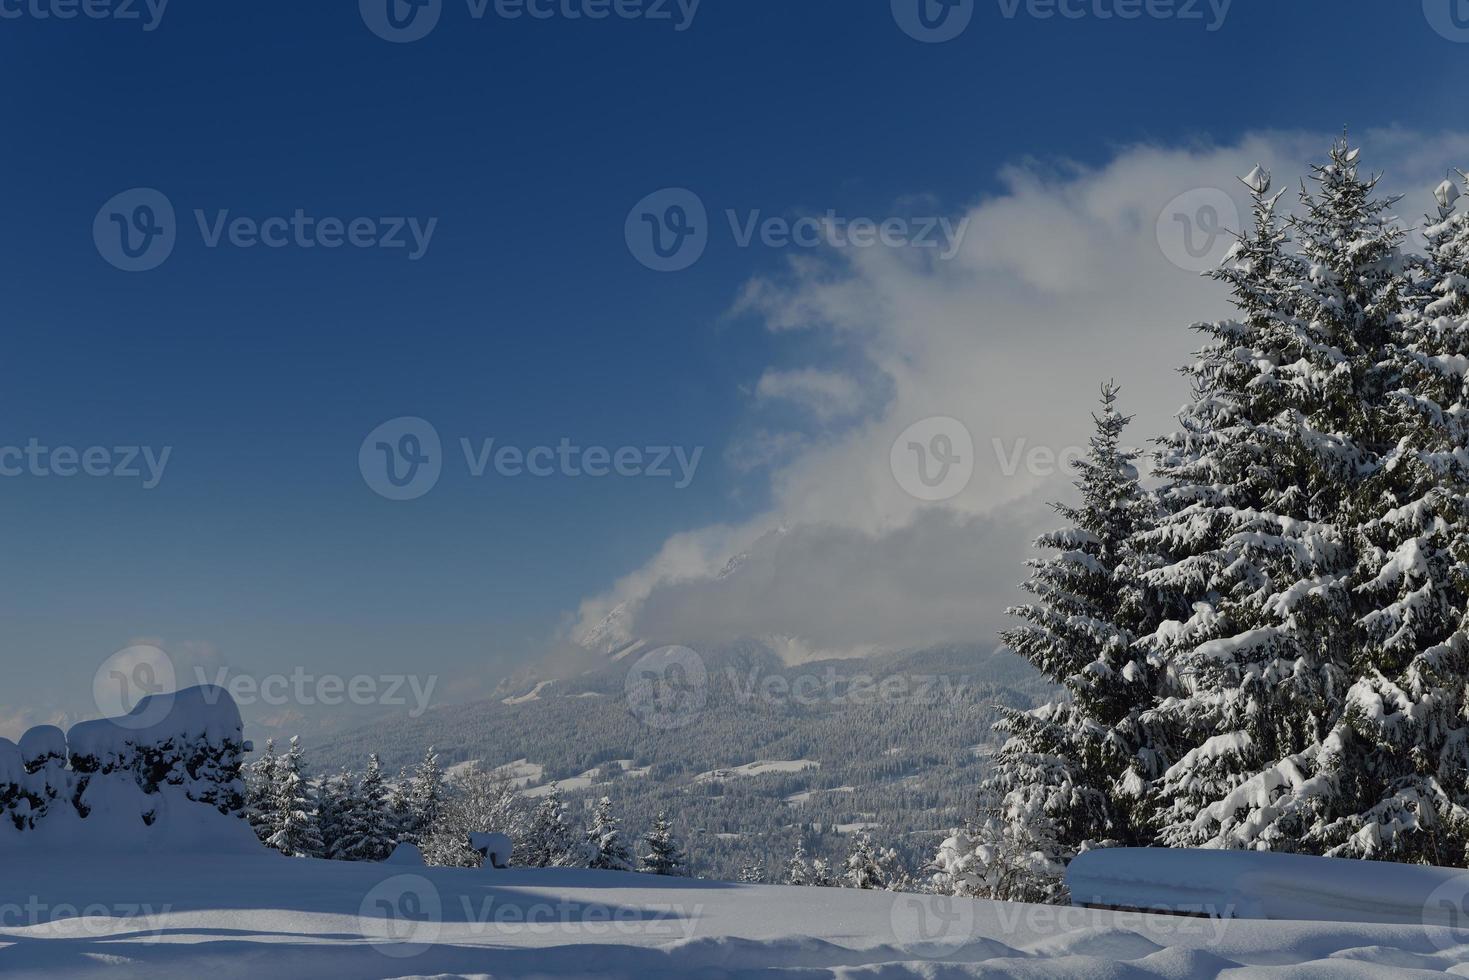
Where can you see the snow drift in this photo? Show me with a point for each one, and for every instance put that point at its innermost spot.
(1264, 885)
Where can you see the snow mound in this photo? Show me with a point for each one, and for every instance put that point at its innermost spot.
(495, 848)
(165, 777)
(406, 854)
(1264, 885)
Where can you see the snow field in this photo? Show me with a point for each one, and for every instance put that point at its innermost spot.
(239, 916)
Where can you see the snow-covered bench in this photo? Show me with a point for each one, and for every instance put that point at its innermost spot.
(1262, 885)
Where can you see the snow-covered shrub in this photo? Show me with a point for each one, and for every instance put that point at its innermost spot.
(475, 802)
(495, 849)
(165, 776)
(192, 739)
(19, 803)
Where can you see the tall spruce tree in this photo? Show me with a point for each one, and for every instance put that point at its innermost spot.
(424, 797)
(260, 793)
(296, 833)
(368, 833)
(664, 856)
(549, 842)
(864, 865)
(1072, 772)
(1263, 485)
(606, 850)
(1401, 751)
(333, 797)
(798, 868)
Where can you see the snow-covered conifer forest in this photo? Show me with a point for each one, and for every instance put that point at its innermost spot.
(1262, 645)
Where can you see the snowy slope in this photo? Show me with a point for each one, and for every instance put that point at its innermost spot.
(263, 915)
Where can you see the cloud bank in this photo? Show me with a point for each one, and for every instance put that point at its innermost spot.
(1068, 276)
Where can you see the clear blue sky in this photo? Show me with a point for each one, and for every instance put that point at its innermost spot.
(527, 320)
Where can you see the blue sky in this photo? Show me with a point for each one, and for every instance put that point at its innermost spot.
(527, 319)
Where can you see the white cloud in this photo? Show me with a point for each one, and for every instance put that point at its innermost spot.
(1062, 283)
(826, 395)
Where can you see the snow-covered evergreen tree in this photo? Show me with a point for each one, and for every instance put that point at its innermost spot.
(1400, 757)
(606, 850)
(549, 842)
(798, 868)
(752, 874)
(333, 797)
(1264, 484)
(296, 833)
(1271, 651)
(368, 833)
(260, 793)
(424, 798)
(1072, 773)
(400, 811)
(864, 864)
(664, 856)
(822, 875)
